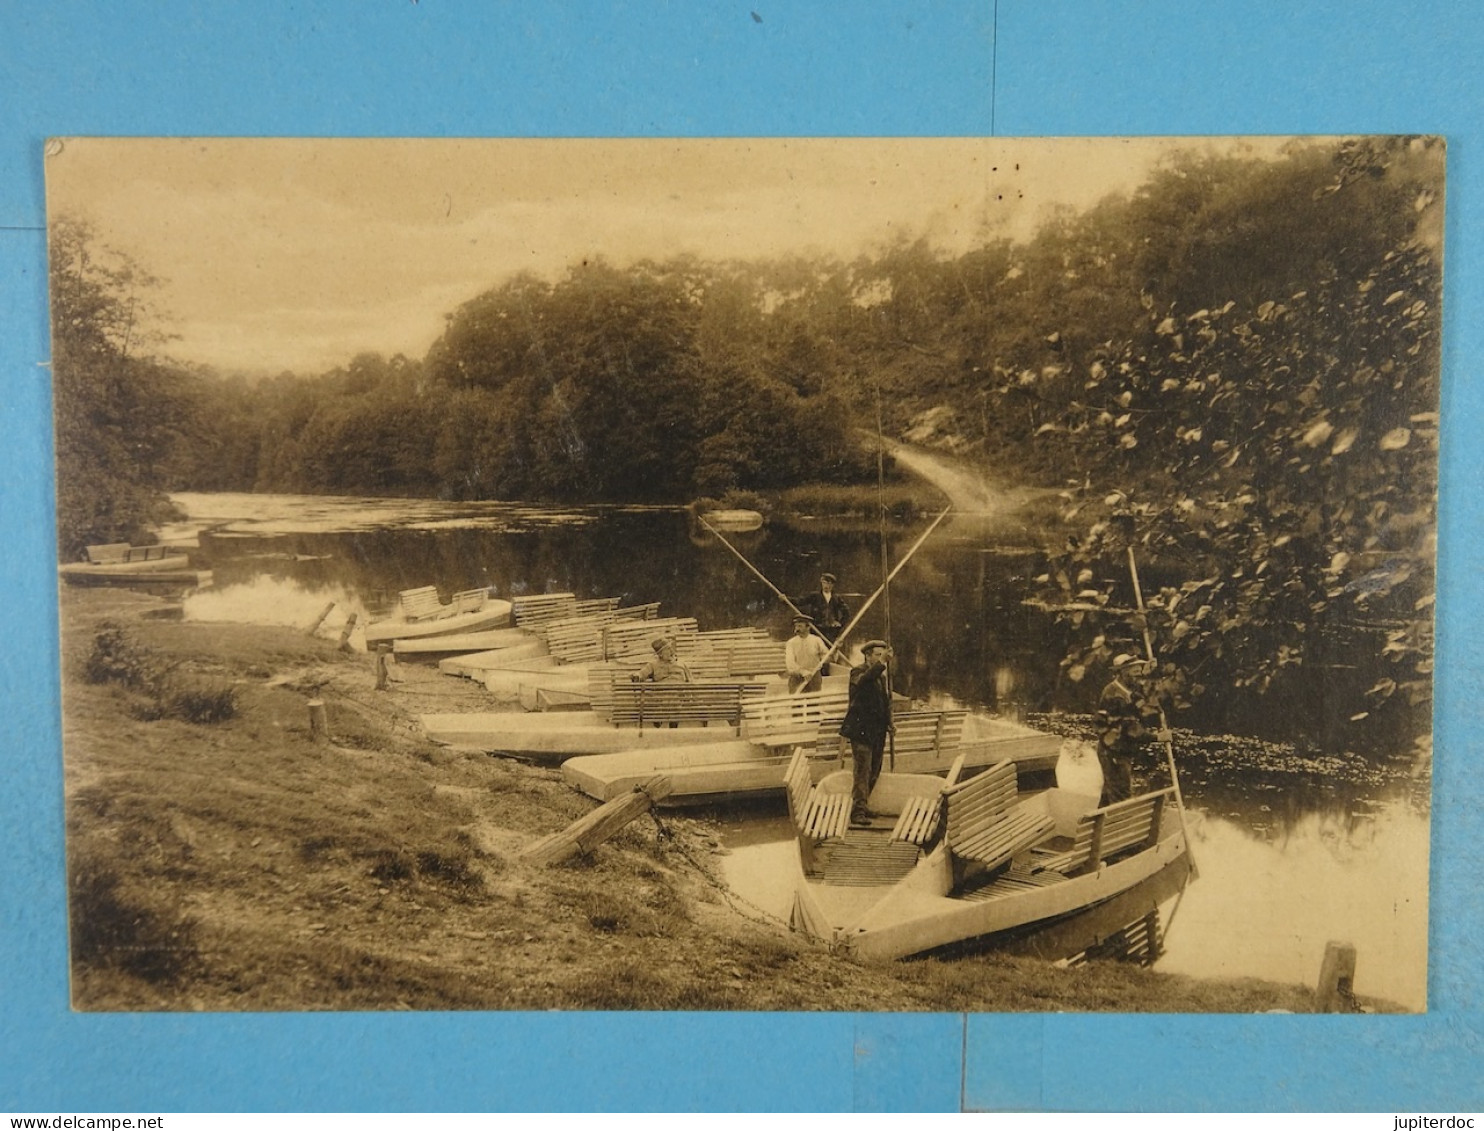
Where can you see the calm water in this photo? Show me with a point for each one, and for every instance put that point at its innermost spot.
(1293, 849)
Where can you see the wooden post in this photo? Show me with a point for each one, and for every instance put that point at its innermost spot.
(382, 677)
(1095, 853)
(1335, 993)
(319, 728)
(319, 620)
(350, 626)
(589, 832)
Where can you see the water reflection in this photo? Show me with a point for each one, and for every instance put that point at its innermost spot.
(1265, 907)
(272, 600)
(1296, 849)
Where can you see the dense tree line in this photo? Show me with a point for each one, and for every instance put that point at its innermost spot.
(1232, 369)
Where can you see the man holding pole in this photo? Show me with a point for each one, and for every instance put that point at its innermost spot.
(804, 655)
(1121, 715)
(867, 724)
(829, 612)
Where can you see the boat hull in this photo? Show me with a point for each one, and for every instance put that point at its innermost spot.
(915, 915)
(494, 614)
(557, 737)
(752, 770)
(461, 643)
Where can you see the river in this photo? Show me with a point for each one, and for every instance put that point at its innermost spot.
(1295, 847)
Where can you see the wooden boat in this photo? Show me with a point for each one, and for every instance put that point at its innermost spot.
(950, 862)
(554, 738)
(421, 615)
(118, 563)
(740, 520)
(459, 643)
(754, 766)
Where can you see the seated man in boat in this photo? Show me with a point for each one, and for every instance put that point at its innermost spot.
(867, 723)
(664, 668)
(829, 613)
(1124, 707)
(804, 656)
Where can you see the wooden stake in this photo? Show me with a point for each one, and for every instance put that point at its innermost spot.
(382, 677)
(1336, 980)
(319, 727)
(350, 626)
(586, 834)
(319, 620)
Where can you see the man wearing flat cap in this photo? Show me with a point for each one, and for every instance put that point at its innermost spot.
(664, 668)
(829, 613)
(804, 656)
(867, 723)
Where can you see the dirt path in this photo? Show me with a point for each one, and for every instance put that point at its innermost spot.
(969, 489)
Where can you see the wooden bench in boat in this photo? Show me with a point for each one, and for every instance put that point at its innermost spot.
(579, 639)
(119, 553)
(922, 815)
(1106, 832)
(423, 604)
(755, 653)
(986, 824)
(538, 608)
(469, 600)
(789, 720)
(815, 815)
(677, 704)
(603, 677)
(918, 732)
(620, 637)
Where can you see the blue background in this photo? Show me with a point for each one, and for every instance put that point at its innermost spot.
(438, 68)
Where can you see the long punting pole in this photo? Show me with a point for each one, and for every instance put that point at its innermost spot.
(759, 575)
(871, 600)
(1133, 572)
(891, 739)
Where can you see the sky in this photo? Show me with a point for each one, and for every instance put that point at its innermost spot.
(275, 254)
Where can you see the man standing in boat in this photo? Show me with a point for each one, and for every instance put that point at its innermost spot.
(867, 723)
(665, 667)
(1122, 711)
(804, 656)
(829, 613)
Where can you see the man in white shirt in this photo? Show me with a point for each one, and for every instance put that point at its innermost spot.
(804, 656)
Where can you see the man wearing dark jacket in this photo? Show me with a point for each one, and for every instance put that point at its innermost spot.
(867, 723)
(829, 613)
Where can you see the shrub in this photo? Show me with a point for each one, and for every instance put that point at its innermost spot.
(111, 930)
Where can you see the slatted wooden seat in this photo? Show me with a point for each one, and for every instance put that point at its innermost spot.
(576, 640)
(468, 601)
(1017, 831)
(762, 656)
(1105, 832)
(594, 605)
(538, 608)
(816, 815)
(620, 637)
(986, 824)
(419, 604)
(677, 704)
(604, 676)
(919, 820)
(980, 801)
(918, 732)
(109, 553)
(787, 720)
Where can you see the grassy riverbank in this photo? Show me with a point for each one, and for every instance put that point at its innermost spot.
(239, 865)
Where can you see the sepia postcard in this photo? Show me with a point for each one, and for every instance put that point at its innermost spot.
(881, 574)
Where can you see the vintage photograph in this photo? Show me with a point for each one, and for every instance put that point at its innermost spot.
(954, 574)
